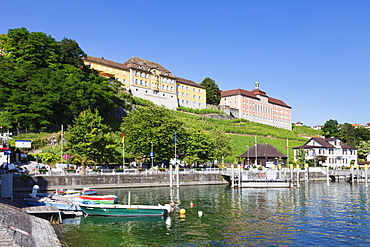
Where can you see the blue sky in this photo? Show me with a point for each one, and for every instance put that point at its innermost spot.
(312, 54)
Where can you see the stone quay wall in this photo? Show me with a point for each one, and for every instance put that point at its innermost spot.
(17, 228)
(47, 183)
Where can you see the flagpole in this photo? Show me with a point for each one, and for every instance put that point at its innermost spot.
(123, 150)
(61, 144)
(255, 141)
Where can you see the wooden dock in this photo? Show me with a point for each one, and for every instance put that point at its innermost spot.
(46, 210)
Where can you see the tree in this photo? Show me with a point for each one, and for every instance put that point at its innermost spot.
(43, 83)
(89, 137)
(363, 149)
(330, 128)
(72, 53)
(347, 134)
(154, 124)
(213, 95)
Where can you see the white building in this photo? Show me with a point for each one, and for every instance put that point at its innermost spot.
(337, 153)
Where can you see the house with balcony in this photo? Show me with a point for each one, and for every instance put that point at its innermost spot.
(337, 153)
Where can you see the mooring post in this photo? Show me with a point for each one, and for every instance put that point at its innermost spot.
(366, 184)
(232, 176)
(239, 176)
(171, 176)
(298, 185)
(177, 176)
(327, 176)
(306, 178)
(291, 175)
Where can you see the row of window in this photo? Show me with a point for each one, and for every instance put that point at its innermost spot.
(331, 151)
(186, 102)
(187, 95)
(187, 88)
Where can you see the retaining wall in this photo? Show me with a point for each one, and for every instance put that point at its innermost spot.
(112, 181)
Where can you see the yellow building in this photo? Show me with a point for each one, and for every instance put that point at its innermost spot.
(152, 81)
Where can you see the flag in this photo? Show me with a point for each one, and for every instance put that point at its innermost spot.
(123, 137)
(175, 139)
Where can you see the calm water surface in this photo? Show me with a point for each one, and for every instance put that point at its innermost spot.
(313, 214)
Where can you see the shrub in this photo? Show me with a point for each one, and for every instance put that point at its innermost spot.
(96, 170)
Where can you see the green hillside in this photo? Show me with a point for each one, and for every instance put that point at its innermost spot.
(244, 133)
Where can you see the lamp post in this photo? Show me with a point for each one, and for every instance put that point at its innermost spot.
(247, 156)
(151, 154)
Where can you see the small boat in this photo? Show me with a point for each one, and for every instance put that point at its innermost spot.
(67, 192)
(63, 205)
(121, 210)
(106, 199)
(88, 191)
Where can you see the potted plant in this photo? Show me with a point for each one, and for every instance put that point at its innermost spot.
(43, 170)
(141, 169)
(161, 169)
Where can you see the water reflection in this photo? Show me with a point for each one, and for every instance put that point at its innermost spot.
(314, 214)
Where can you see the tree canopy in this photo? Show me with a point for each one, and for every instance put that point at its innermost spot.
(91, 140)
(330, 128)
(44, 83)
(213, 95)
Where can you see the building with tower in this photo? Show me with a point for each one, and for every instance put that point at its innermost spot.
(149, 80)
(256, 106)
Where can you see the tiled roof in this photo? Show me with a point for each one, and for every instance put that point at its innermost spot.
(102, 60)
(324, 142)
(263, 150)
(238, 92)
(188, 82)
(252, 94)
(142, 64)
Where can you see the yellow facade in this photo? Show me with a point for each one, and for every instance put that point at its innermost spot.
(152, 81)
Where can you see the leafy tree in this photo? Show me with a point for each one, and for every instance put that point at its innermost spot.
(90, 138)
(72, 53)
(301, 156)
(221, 144)
(152, 124)
(330, 128)
(199, 145)
(347, 134)
(213, 95)
(43, 82)
(362, 134)
(363, 149)
(36, 49)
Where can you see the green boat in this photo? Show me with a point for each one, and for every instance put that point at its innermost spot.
(126, 210)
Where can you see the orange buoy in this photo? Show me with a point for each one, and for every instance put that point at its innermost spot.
(191, 204)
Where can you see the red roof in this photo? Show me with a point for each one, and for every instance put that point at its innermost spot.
(252, 94)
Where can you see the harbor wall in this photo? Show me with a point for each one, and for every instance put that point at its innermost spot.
(17, 228)
(47, 183)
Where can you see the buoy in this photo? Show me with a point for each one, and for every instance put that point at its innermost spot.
(200, 213)
(191, 204)
(172, 204)
(182, 211)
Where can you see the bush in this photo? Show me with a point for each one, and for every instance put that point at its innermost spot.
(119, 170)
(96, 170)
(71, 170)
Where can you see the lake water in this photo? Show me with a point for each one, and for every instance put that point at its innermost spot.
(314, 214)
